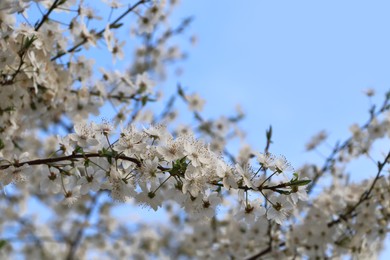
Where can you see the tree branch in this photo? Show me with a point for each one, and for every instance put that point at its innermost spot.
(46, 16)
(72, 157)
(365, 196)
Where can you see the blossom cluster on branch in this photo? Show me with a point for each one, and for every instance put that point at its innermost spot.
(63, 176)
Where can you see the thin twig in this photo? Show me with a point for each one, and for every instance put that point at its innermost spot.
(331, 158)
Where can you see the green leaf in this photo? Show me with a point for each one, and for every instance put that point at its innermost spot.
(300, 182)
(284, 192)
(108, 153)
(295, 178)
(29, 41)
(179, 167)
(78, 150)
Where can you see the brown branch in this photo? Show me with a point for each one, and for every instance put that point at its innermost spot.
(72, 157)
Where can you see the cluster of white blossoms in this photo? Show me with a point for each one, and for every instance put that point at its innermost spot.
(67, 182)
(153, 167)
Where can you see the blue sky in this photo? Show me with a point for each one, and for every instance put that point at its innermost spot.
(300, 66)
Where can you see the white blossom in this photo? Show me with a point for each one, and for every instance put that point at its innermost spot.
(279, 209)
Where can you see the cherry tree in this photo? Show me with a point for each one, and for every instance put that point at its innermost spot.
(63, 172)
